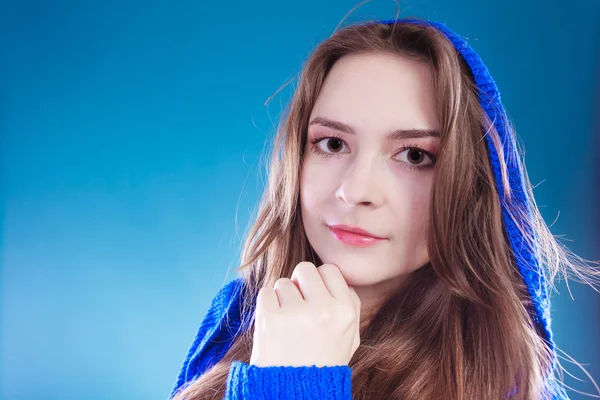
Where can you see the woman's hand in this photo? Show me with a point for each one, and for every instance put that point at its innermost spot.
(311, 319)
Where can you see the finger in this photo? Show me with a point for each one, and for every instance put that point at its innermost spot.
(334, 282)
(266, 300)
(309, 281)
(287, 293)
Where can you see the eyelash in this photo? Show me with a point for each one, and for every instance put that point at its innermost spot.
(315, 149)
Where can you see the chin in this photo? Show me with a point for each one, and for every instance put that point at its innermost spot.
(357, 272)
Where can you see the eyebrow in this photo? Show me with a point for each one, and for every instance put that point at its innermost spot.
(397, 134)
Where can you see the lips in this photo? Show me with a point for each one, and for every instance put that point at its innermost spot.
(355, 230)
(354, 236)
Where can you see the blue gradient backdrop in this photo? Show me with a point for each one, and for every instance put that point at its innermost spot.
(131, 135)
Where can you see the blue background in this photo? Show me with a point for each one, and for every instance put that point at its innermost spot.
(131, 135)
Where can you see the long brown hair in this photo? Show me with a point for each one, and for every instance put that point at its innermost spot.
(461, 326)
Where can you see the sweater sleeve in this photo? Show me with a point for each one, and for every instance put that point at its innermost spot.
(249, 382)
(214, 337)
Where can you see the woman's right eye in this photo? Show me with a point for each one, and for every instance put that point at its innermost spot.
(327, 145)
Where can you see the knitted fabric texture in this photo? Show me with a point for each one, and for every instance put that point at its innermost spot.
(222, 323)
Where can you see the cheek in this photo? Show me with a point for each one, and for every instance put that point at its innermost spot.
(420, 206)
(412, 209)
(420, 217)
(315, 186)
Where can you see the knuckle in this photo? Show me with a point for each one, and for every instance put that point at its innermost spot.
(328, 267)
(261, 298)
(263, 293)
(304, 266)
(283, 282)
(338, 315)
(325, 316)
(349, 315)
(346, 313)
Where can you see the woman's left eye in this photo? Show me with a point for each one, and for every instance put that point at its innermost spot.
(414, 156)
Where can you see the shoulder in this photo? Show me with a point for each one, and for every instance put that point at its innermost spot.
(226, 296)
(224, 317)
(216, 332)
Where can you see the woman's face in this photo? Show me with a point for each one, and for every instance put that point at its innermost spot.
(354, 174)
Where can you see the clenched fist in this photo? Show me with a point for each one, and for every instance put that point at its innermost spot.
(311, 319)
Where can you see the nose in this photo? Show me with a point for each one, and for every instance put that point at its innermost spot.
(362, 184)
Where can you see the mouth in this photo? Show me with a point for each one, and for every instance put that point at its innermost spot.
(354, 236)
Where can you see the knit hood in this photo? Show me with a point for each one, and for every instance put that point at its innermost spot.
(225, 308)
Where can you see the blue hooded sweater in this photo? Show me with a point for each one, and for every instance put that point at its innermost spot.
(223, 321)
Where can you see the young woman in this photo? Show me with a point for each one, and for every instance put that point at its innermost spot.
(398, 252)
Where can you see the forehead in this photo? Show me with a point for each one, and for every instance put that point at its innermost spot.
(378, 91)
